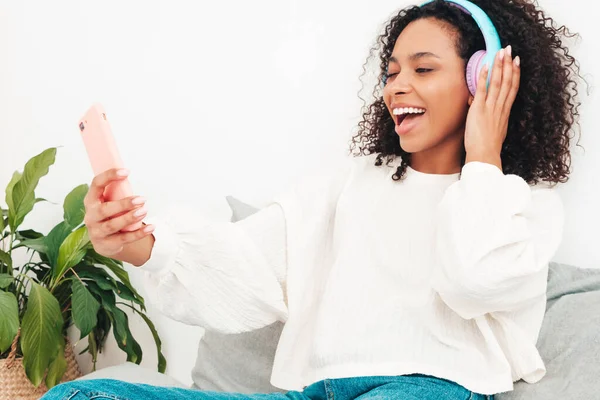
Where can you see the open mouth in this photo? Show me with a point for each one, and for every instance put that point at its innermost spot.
(407, 113)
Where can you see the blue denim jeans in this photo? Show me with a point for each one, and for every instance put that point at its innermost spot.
(408, 387)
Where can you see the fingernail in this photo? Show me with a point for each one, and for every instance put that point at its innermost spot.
(517, 61)
(123, 172)
(140, 211)
(501, 54)
(138, 200)
(148, 228)
(509, 49)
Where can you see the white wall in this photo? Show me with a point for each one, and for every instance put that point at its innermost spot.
(215, 98)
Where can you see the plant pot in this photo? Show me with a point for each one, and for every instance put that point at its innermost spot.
(14, 384)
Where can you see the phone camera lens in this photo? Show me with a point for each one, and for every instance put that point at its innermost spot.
(81, 127)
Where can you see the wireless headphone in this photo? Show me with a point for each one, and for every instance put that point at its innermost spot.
(481, 57)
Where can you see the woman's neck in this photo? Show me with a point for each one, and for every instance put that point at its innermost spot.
(438, 161)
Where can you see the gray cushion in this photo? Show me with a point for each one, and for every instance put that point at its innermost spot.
(569, 340)
(240, 363)
(239, 209)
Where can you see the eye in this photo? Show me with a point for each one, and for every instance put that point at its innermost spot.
(388, 76)
(423, 70)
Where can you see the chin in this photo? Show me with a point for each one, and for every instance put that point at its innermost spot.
(412, 145)
(416, 142)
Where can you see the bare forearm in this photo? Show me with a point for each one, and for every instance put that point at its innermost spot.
(136, 253)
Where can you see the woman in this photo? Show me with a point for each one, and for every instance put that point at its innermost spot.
(416, 271)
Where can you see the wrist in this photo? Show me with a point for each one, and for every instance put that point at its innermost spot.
(138, 252)
(485, 156)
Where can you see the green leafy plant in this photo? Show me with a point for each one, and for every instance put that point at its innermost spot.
(64, 282)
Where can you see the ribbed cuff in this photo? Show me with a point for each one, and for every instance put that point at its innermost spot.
(495, 190)
(165, 249)
(479, 168)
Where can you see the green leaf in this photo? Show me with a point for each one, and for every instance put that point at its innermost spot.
(93, 348)
(6, 259)
(99, 276)
(32, 240)
(28, 234)
(74, 210)
(119, 321)
(41, 271)
(5, 281)
(71, 251)
(106, 297)
(120, 326)
(62, 293)
(162, 361)
(124, 293)
(41, 332)
(85, 307)
(23, 192)
(115, 266)
(9, 199)
(102, 329)
(58, 366)
(44, 258)
(55, 239)
(9, 322)
(104, 284)
(136, 349)
(38, 244)
(123, 335)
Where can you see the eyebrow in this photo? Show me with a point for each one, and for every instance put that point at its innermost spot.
(416, 56)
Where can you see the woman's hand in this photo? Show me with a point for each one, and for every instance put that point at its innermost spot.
(487, 120)
(105, 219)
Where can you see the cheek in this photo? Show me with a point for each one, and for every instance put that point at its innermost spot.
(447, 99)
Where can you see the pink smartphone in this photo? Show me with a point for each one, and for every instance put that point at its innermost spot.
(103, 153)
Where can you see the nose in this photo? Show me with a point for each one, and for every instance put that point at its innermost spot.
(400, 85)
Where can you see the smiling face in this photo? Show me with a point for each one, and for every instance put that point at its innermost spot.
(427, 95)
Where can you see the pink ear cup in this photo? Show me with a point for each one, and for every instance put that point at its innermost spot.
(473, 68)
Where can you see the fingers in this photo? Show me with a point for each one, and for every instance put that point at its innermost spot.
(106, 236)
(481, 90)
(113, 225)
(504, 83)
(507, 77)
(106, 219)
(100, 182)
(496, 80)
(111, 209)
(115, 243)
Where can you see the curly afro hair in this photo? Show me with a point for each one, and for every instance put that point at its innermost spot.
(537, 145)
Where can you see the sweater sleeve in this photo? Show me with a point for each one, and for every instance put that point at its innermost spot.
(495, 238)
(223, 276)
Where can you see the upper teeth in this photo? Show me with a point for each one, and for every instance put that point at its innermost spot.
(408, 110)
